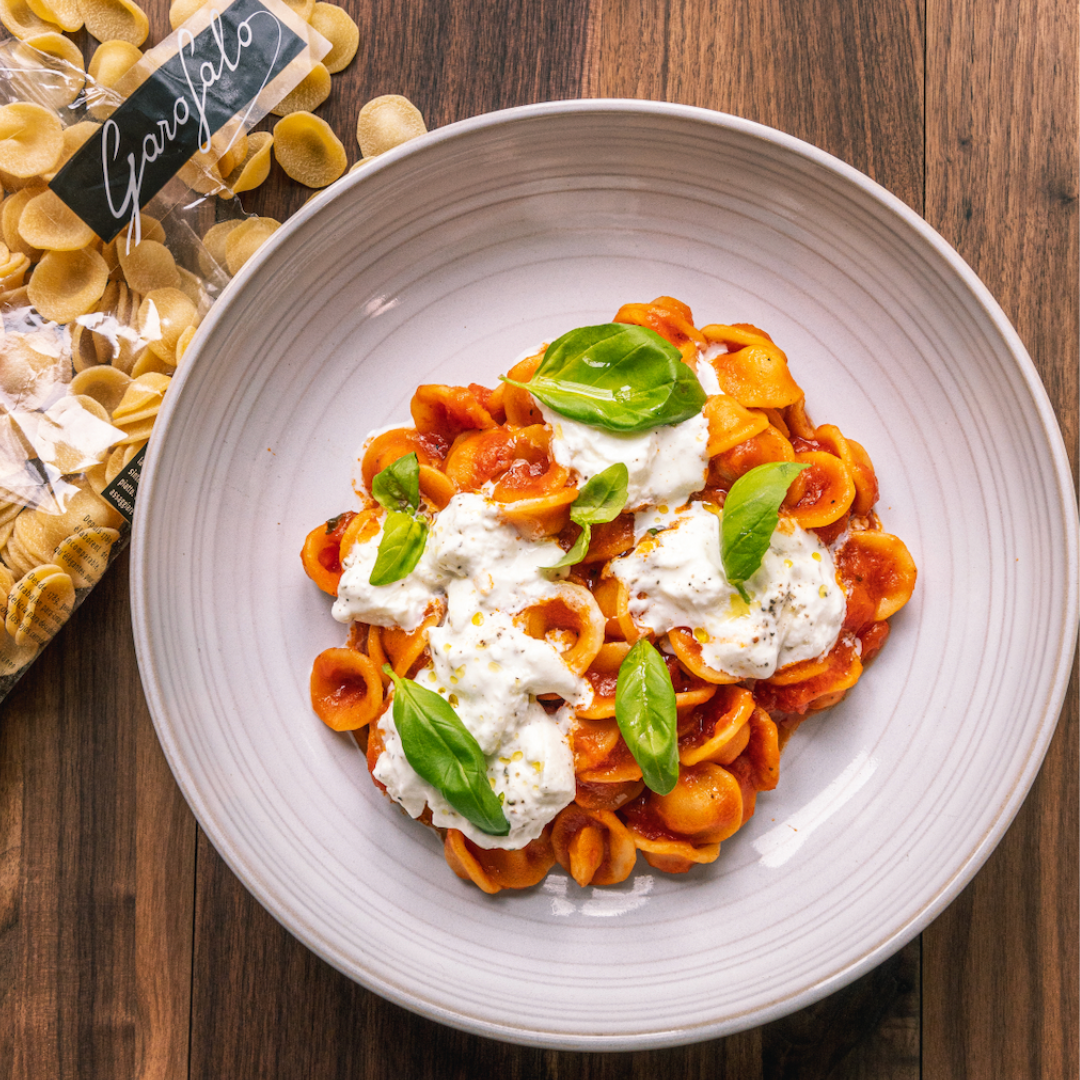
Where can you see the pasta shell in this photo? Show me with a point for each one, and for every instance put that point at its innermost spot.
(143, 393)
(106, 385)
(47, 69)
(192, 287)
(64, 13)
(20, 594)
(243, 241)
(233, 155)
(255, 168)
(31, 139)
(183, 342)
(164, 315)
(67, 284)
(84, 554)
(182, 10)
(337, 26)
(29, 368)
(308, 94)
(48, 223)
(148, 362)
(13, 272)
(111, 61)
(308, 150)
(92, 406)
(8, 513)
(17, 559)
(22, 23)
(115, 20)
(386, 122)
(147, 266)
(11, 211)
(48, 597)
(212, 257)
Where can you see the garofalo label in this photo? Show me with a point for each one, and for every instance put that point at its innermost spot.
(125, 486)
(213, 76)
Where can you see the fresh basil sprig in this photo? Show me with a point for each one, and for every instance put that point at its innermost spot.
(618, 377)
(600, 500)
(397, 487)
(444, 752)
(751, 513)
(405, 533)
(646, 715)
(400, 548)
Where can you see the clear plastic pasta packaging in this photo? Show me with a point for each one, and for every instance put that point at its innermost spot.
(119, 227)
(588, 606)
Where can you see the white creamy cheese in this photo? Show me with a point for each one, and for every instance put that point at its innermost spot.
(533, 772)
(483, 663)
(666, 464)
(706, 373)
(403, 603)
(676, 579)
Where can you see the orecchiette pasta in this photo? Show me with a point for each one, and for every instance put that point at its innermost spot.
(498, 476)
(386, 122)
(243, 241)
(308, 150)
(308, 94)
(115, 20)
(337, 26)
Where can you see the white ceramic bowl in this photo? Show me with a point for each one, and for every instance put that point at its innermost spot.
(441, 262)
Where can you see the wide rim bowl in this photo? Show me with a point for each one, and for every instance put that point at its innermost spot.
(454, 253)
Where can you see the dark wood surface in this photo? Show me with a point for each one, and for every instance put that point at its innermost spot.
(128, 950)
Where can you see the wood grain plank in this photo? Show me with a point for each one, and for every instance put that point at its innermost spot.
(841, 74)
(96, 865)
(869, 1030)
(1000, 964)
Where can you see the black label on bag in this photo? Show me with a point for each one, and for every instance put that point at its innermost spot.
(213, 76)
(122, 491)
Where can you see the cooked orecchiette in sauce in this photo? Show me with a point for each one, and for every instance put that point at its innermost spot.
(588, 606)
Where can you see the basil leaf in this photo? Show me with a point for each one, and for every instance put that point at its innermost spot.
(397, 487)
(603, 496)
(400, 548)
(645, 712)
(577, 552)
(751, 513)
(600, 500)
(618, 377)
(444, 752)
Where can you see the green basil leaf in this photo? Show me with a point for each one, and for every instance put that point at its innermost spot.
(645, 712)
(600, 500)
(602, 497)
(617, 377)
(577, 552)
(444, 752)
(751, 513)
(400, 548)
(397, 487)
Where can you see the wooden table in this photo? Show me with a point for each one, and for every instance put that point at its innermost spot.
(127, 949)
